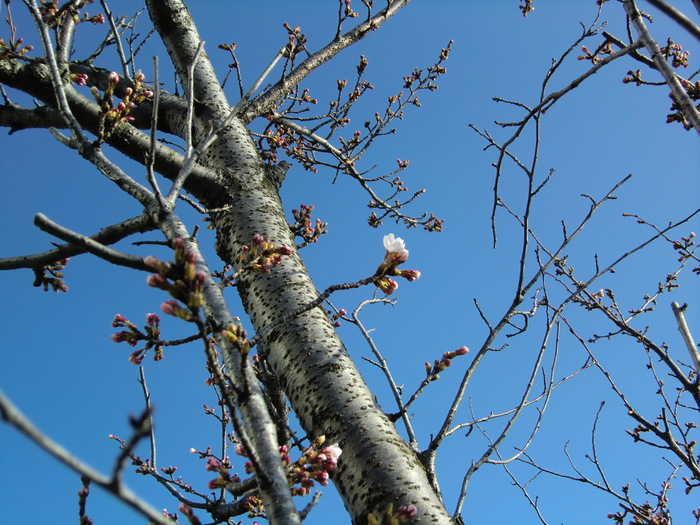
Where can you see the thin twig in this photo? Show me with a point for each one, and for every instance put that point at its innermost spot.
(117, 39)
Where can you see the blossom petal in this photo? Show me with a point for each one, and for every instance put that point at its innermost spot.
(393, 244)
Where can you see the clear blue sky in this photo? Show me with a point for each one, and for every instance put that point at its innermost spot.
(58, 364)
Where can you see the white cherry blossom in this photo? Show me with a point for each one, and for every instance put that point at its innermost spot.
(393, 244)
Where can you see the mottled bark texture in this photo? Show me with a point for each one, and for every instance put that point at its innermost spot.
(323, 385)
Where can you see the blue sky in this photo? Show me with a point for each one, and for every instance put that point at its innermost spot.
(59, 366)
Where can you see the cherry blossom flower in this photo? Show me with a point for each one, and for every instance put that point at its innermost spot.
(393, 244)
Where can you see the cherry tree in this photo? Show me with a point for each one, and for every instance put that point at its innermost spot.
(293, 407)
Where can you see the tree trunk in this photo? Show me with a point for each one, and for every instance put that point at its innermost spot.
(324, 387)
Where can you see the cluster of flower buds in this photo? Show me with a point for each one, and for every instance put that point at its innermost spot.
(294, 145)
(262, 254)
(14, 49)
(181, 280)
(296, 43)
(349, 13)
(52, 275)
(605, 49)
(679, 58)
(335, 316)
(634, 76)
(693, 90)
(189, 514)
(396, 254)
(143, 466)
(433, 371)
(79, 78)
(393, 517)
(254, 506)
(685, 249)
(132, 97)
(222, 469)
(303, 227)
(236, 335)
(150, 334)
(315, 464)
(53, 16)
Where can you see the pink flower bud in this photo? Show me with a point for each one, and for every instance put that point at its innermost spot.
(157, 281)
(179, 244)
(387, 285)
(462, 350)
(400, 256)
(170, 307)
(410, 275)
(322, 477)
(216, 483)
(152, 262)
(405, 512)
(113, 78)
(119, 337)
(332, 453)
(213, 464)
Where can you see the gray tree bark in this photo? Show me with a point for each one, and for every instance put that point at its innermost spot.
(324, 387)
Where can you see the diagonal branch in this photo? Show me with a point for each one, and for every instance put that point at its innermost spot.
(10, 413)
(108, 235)
(90, 245)
(677, 16)
(266, 101)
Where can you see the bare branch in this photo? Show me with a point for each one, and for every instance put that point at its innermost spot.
(14, 417)
(678, 17)
(266, 102)
(90, 245)
(108, 235)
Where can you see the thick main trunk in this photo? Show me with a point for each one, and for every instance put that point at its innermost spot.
(324, 387)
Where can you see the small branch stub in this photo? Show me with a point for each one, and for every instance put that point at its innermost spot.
(679, 312)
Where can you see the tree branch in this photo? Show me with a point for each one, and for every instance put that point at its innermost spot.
(108, 235)
(267, 100)
(11, 414)
(679, 313)
(90, 245)
(678, 17)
